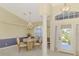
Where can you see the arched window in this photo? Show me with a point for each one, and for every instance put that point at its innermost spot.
(67, 15)
(38, 32)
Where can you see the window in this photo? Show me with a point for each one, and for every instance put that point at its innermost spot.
(38, 32)
(67, 15)
(66, 37)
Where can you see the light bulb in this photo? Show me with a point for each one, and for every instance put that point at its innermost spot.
(66, 7)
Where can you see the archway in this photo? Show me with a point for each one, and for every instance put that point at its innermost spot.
(38, 32)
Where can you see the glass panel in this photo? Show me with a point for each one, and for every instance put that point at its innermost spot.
(76, 14)
(65, 37)
(71, 15)
(38, 32)
(67, 15)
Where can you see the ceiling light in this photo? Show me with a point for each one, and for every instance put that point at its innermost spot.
(66, 7)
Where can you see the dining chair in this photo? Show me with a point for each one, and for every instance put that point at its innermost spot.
(20, 44)
(37, 43)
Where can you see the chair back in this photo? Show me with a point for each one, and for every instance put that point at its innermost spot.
(18, 41)
(34, 40)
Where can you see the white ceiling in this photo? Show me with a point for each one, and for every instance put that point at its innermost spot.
(22, 10)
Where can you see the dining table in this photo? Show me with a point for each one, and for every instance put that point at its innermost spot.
(29, 43)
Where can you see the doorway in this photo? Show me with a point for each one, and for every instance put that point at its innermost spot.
(65, 41)
(38, 33)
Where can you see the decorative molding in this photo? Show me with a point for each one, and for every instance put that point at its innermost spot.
(12, 23)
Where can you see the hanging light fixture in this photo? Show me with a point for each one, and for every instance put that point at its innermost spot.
(66, 7)
(30, 25)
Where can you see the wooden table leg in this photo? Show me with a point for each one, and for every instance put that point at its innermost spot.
(29, 45)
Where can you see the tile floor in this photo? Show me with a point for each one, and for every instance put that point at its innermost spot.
(12, 51)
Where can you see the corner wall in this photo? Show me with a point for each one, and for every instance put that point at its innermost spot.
(10, 25)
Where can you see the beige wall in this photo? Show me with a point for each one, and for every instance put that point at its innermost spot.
(11, 25)
(58, 8)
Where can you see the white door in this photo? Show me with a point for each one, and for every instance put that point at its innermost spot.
(65, 41)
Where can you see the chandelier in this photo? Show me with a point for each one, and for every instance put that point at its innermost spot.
(66, 7)
(29, 24)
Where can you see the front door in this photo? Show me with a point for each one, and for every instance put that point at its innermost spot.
(65, 41)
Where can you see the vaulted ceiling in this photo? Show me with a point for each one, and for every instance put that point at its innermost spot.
(26, 11)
